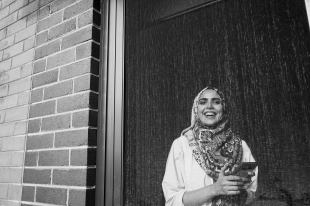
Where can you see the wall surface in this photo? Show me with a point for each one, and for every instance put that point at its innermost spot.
(49, 65)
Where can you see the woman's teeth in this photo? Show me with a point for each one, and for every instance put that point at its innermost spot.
(210, 114)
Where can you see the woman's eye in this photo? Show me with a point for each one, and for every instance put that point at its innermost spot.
(217, 102)
(202, 102)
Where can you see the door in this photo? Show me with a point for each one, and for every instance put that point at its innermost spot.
(256, 51)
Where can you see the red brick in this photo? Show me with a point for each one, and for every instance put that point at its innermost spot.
(6, 3)
(78, 101)
(89, 17)
(74, 177)
(4, 12)
(8, 20)
(84, 119)
(76, 138)
(41, 38)
(57, 90)
(24, 34)
(2, 33)
(17, 26)
(37, 176)
(60, 59)
(11, 159)
(86, 82)
(41, 109)
(87, 49)
(49, 22)
(34, 125)
(44, 2)
(26, 70)
(44, 12)
(5, 65)
(36, 95)
(62, 29)
(57, 196)
(23, 58)
(15, 192)
(28, 9)
(31, 158)
(82, 197)
(17, 5)
(56, 122)
(29, 43)
(45, 78)
(60, 4)
(79, 68)
(28, 193)
(23, 98)
(83, 157)
(77, 8)
(32, 18)
(77, 37)
(40, 141)
(5, 43)
(4, 89)
(54, 158)
(48, 49)
(20, 85)
(10, 175)
(16, 113)
(83, 50)
(2, 116)
(13, 50)
(39, 66)
(20, 128)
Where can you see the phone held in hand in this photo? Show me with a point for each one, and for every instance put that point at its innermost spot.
(246, 167)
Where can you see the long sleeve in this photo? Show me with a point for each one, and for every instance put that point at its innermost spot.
(248, 157)
(173, 181)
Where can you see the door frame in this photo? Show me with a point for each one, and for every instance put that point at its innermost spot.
(109, 172)
(110, 133)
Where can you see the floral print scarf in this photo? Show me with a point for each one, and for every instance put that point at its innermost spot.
(216, 148)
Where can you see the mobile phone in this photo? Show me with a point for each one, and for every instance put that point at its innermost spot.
(244, 167)
(248, 166)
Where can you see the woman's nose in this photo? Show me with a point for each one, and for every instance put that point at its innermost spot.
(209, 104)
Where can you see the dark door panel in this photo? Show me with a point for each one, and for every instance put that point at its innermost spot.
(257, 52)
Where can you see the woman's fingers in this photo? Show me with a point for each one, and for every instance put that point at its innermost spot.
(233, 192)
(233, 183)
(251, 174)
(222, 172)
(237, 178)
(232, 188)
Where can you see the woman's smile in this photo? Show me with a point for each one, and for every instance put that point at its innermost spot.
(209, 108)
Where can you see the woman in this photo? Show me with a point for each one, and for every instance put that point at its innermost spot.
(202, 163)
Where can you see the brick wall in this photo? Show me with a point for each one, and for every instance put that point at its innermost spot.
(49, 65)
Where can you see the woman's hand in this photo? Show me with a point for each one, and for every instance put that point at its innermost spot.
(230, 184)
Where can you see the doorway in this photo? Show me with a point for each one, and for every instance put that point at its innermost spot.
(257, 52)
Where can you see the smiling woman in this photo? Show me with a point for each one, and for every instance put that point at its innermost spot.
(210, 108)
(203, 163)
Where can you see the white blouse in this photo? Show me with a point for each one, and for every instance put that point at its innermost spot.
(183, 173)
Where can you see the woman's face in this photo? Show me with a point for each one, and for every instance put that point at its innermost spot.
(210, 108)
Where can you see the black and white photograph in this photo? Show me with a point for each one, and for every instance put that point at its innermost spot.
(154, 102)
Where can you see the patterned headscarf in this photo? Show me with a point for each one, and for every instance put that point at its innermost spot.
(216, 147)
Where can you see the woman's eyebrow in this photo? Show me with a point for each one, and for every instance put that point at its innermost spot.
(216, 98)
